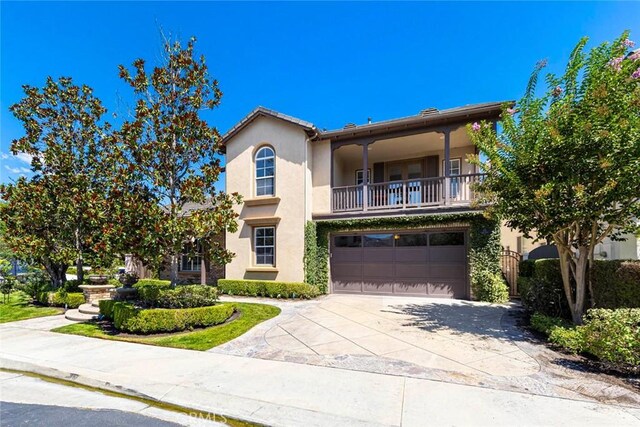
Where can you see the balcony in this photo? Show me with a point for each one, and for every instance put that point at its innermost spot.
(455, 190)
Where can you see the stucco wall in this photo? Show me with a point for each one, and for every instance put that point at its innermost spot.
(291, 186)
(321, 177)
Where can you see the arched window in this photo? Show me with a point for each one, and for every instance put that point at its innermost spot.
(265, 172)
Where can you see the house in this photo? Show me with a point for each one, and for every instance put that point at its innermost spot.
(393, 200)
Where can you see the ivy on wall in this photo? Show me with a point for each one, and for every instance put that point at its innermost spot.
(484, 247)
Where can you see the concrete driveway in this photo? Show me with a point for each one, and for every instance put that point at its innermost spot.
(460, 336)
(452, 341)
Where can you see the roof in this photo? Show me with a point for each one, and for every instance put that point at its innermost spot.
(265, 112)
(427, 117)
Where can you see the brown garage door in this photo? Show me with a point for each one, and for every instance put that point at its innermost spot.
(430, 263)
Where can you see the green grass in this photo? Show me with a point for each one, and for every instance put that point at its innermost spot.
(202, 339)
(19, 307)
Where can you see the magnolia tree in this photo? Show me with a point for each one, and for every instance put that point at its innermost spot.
(172, 155)
(59, 215)
(566, 166)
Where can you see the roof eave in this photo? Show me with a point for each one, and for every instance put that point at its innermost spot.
(481, 112)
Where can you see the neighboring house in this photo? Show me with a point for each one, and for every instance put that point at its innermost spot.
(290, 172)
(608, 249)
(194, 267)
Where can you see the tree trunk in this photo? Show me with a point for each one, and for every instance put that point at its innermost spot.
(80, 270)
(57, 273)
(174, 270)
(582, 262)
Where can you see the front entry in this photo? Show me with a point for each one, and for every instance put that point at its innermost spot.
(427, 263)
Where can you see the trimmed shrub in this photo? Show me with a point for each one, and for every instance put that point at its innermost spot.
(616, 284)
(527, 268)
(264, 288)
(59, 299)
(146, 321)
(187, 296)
(149, 290)
(542, 292)
(106, 308)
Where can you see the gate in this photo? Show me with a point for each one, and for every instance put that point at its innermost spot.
(510, 261)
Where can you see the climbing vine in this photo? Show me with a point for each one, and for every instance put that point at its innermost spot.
(484, 247)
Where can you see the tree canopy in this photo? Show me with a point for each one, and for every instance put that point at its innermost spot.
(173, 155)
(566, 166)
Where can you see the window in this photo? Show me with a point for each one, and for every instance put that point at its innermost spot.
(359, 177)
(265, 245)
(378, 240)
(411, 239)
(454, 167)
(265, 172)
(446, 239)
(347, 241)
(191, 260)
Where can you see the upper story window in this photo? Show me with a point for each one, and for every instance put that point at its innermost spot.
(265, 172)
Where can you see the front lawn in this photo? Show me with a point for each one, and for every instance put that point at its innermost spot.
(250, 314)
(19, 307)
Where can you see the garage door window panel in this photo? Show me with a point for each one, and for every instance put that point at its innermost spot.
(378, 241)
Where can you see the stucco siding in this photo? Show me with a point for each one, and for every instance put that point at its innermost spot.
(321, 177)
(290, 145)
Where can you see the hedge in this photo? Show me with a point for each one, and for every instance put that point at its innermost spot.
(265, 288)
(484, 247)
(58, 299)
(186, 296)
(128, 318)
(616, 284)
(149, 289)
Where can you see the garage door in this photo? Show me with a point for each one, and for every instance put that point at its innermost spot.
(430, 263)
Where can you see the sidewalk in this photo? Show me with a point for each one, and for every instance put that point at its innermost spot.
(282, 393)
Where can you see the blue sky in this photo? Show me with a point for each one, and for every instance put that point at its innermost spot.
(329, 63)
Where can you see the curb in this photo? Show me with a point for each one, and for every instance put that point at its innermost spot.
(27, 368)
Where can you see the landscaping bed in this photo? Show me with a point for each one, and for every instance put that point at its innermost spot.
(247, 316)
(267, 289)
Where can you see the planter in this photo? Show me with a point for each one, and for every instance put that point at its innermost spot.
(98, 279)
(96, 292)
(128, 280)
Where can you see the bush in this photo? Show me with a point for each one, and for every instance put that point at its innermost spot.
(489, 286)
(60, 298)
(106, 308)
(34, 284)
(613, 335)
(527, 268)
(146, 321)
(545, 324)
(187, 296)
(542, 291)
(149, 290)
(263, 288)
(616, 284)
(571, 339)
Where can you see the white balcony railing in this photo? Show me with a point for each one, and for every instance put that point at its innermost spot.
(412, 193)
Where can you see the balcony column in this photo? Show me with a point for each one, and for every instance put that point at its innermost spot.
(447, 166)
(365, 175)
